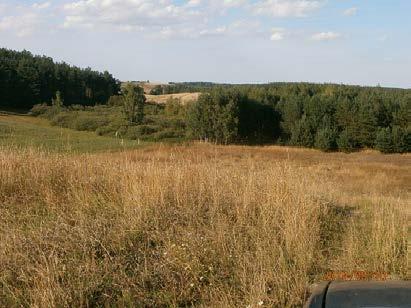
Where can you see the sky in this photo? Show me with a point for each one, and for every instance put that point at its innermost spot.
(364, 42)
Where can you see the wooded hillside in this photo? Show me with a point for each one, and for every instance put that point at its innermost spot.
(26, 80)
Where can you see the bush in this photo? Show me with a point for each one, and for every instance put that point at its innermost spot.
(64, 119)
(115, 100)
(88, 123)
(106, 131)
(140, 131)
(39, 109)
(174, 108)
(167, 134)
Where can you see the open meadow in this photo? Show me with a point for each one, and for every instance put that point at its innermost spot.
(195, 224)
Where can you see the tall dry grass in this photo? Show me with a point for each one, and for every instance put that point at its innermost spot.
(183, 226)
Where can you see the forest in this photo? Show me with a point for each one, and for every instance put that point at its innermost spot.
(26, 80)
(324, 116)
(329, 117)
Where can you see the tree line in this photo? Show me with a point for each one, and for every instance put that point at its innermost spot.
(26, 80)
(325, 116)
(328, 117)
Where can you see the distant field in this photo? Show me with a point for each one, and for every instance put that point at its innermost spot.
(189, 225)
(184, 98)
(27, 131)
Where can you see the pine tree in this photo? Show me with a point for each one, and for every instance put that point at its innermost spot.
(383, 140)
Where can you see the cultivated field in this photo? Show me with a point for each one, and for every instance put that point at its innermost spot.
(198, 224)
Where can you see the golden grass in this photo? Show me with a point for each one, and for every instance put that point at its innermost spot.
(183, 98)
(195, 225)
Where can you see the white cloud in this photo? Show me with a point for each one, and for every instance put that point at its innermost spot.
(24, 20)
(22, 25)
(237, 28)
(41, 6)
(351, 11)
(325, 36)
(285, 8)
(277, 34)
(233, 3)
(129, 14)
(193, 3)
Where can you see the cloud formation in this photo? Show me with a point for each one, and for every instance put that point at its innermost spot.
(160, 19)
(129, 14)
(325, 36)
(285, 8)
(277, 34)
(351, 11)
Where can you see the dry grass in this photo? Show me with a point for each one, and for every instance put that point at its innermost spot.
(194, 225)
(183, 98)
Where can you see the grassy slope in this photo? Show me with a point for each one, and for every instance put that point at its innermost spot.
(24, 131)
(222, 226)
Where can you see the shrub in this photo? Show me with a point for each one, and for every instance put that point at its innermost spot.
(140, 131)
(106, 131)
(88, 123)
(40, 109)
(167, 134)
(64, 119)
(115, 100)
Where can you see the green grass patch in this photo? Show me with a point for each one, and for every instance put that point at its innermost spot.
(28, 131)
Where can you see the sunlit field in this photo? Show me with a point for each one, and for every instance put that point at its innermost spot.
(202, 225)
(22, 131)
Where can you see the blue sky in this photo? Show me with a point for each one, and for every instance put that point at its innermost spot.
(365, 42)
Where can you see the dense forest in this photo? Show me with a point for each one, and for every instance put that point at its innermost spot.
(328, 117)
(26, 80)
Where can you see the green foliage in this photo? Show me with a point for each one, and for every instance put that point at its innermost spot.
(325, 139)
(346, 141)
(302, 133)
(173, 108)
(401, 139)
(384, 141)
(115, 100)
(327, 117)
(27, 80)
(133, 103)
(57, 102)
(214, 117)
